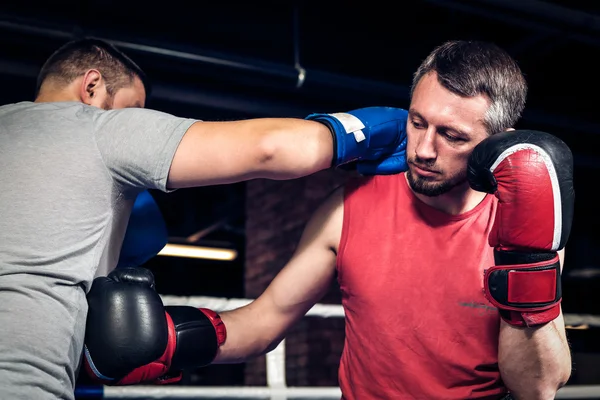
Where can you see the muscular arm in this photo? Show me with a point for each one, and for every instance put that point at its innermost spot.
(534, 362)
(226, 152)
(257, 328)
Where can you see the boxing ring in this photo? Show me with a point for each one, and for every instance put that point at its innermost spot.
(277, 388)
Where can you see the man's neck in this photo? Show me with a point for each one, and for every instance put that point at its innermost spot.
(54, 91)
(459, 200)
(55, 96)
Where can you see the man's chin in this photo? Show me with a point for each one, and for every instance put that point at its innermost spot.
(428, 186)
(428, 192)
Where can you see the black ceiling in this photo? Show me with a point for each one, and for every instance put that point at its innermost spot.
(226, 60)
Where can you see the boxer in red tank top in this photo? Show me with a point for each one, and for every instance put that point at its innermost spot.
(434, 326)
(450, 291)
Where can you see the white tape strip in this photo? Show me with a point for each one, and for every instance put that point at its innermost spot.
(352, 125)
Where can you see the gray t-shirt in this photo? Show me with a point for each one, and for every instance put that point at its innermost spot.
(69, 175)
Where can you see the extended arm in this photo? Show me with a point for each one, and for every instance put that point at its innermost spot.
(286, 148)
(132, 338)
(534, 362)
(227, 152)
(257, 328)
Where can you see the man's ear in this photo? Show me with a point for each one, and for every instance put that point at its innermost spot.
(90, 86)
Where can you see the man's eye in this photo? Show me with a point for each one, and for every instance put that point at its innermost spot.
(452, 138)
(416, 124)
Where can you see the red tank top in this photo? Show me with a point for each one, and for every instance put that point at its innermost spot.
(417, 323)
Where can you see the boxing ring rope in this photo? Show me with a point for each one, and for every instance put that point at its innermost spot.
(277, 388)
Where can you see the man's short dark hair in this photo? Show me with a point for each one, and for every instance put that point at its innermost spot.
(470, 68)
(76, 57)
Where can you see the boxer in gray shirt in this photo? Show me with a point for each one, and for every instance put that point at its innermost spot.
(71, 165)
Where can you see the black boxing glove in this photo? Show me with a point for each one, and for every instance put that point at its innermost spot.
(132, 338)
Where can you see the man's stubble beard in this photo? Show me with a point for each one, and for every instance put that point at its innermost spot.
(428, 188)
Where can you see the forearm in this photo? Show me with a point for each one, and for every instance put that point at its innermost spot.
(534, 362)
(293, 148)
(215, 153)
(248, 336)
(259, 327)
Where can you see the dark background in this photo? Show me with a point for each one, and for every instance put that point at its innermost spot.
(235, 60)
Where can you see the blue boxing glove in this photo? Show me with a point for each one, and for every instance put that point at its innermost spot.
(389, 164)
(146, 233)
(373, 137)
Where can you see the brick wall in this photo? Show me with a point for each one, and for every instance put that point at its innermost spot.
(276, 213)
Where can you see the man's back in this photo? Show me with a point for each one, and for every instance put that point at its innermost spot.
(64, 214)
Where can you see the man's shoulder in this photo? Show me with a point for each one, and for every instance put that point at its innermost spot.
(135, 116)
(55, 108)
(13, 106)
(378, 183)
(16, 107)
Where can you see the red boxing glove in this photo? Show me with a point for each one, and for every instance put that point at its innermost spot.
(531, 174)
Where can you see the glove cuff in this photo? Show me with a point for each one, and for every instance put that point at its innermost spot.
(526, 294)
(200, 333)
(347, 133)
(530, 319)
(217, 323)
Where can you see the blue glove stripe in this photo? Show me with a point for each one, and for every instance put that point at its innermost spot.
(88, 357)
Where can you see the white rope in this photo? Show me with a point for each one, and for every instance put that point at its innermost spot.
(582, 319)
(224, 304)
(247, 392)
(579, 392)
(323, 310)
(153, 392)
(213, 303)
